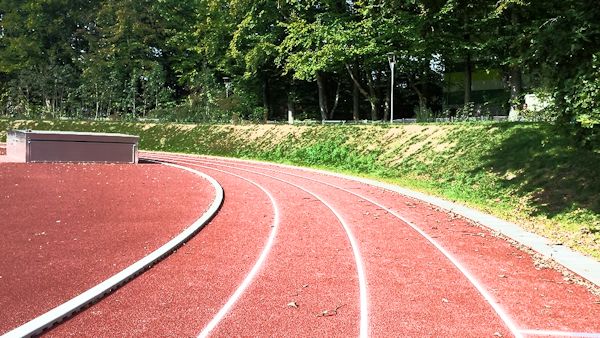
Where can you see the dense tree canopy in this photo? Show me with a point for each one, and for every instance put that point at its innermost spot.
(217, 60)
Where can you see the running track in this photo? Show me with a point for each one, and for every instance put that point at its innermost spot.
(298, 253)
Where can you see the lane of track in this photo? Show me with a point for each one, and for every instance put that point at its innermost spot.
(402, 303)
(257, 266)
(180, 295)
(539, 299)
(325, 265)
(291, 259)
(114, 325)
(375, 227)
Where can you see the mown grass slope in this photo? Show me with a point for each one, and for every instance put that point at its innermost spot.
(528, 173)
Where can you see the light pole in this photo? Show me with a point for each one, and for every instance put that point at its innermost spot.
(392, 60)
(227, 82)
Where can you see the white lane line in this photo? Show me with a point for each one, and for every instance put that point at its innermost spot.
(478, 286)
(584, 266)
(550, 333)
(362, 280)
(257, 266)
(36, 325)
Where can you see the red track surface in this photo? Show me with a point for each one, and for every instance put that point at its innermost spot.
(412, 288)
(67, 227)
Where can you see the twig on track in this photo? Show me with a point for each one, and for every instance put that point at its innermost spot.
(329, 313)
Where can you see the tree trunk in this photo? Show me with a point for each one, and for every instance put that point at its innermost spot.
(355, 103)
(290, 109)
(54, 98)
(355, 94)
(468, 78)
(422, 101)
(371, 95)
(97, 100)
(322, 97)
(336, 101)
(515, 83)
(145, 105)
(373, 98)
(387, 105)
(62, 103)
(109, 106)
(266, 99)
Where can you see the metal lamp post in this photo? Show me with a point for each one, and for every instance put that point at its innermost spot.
(392, 61)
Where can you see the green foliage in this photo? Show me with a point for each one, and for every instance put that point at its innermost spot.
(137, 59)
(586, 96)
(333, 153)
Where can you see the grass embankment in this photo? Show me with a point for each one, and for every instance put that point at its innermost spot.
(527, 173)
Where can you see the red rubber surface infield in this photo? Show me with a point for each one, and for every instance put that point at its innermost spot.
(68, 227)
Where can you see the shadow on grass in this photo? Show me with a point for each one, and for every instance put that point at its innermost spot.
(546, 164)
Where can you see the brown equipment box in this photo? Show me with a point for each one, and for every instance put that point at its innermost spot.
(61, 146)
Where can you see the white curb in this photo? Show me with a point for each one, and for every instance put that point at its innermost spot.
(59, 313)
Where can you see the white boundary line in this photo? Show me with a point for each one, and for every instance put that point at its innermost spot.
(478, 286)
(560, 333)
(36, 325)
(584, 266)
(257, 266)
(362, 280)
(493, 303)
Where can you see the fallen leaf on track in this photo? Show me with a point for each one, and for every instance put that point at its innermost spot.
(293, 304)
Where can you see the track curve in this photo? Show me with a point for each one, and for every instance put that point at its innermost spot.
(259, 262)
(364, 322)
(284, 256)
(361, 299)
(467, 274)
(512, 303)
(378, 328)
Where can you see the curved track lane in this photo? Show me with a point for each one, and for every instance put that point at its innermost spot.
(532, 300)
(180, 295)
(316, 249)
(364, 323)
(401, 302)
(317, 280)
(255, 269)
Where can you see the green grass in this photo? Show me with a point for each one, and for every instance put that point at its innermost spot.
(533, 174)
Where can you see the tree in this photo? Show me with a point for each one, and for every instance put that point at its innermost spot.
(463, 29)
(40, 45)
(128, 44)
(253, 47)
